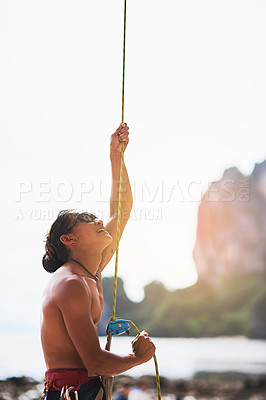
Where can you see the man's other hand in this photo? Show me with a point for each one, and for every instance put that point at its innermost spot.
(143, 347)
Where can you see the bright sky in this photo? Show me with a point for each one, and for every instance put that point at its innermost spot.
(195, 101)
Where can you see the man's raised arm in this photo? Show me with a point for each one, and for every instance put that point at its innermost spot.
(120, 136)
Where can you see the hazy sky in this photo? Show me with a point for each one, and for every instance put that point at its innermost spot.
(195, 101)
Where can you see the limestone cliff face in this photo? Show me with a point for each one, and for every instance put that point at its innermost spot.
(231, 233)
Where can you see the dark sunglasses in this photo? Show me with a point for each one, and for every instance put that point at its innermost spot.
(83, 217)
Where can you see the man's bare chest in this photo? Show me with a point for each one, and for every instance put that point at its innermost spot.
(97, 299)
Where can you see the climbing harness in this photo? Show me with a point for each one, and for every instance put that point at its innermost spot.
(66, 381)
(117, 326)
(64, 393)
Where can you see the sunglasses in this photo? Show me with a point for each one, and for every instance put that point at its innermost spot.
(83, 217)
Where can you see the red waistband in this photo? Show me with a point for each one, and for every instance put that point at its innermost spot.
(57, 378)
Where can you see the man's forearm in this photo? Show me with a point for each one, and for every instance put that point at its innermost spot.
(127, 200)
(109, 364)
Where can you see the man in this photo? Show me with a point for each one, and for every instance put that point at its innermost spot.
(78, 248)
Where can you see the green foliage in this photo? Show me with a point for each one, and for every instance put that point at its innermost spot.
(201, 310)
(258, 315)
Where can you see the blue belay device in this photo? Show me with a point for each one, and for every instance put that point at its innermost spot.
(118, 327)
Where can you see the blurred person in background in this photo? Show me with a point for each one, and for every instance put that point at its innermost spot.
(139, 391)
(122, 391)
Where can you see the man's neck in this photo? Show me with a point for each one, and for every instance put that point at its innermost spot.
(90, 261)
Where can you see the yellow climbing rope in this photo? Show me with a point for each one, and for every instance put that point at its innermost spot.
(108, 345)
(155, 364)
(122, 164)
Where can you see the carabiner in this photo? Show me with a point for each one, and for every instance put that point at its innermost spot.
(70, 389)
(62, 394)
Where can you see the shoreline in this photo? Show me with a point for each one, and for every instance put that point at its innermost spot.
(177, 357)
(204, 385)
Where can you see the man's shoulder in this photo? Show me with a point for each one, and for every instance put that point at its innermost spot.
(71, 282)
(68, 286)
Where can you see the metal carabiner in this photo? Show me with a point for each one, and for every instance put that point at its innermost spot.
(62, 394)
(71, 388)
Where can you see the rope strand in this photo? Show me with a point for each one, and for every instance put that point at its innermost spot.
(124, 59)
(109, 337)
(121, 167)
(118, 231)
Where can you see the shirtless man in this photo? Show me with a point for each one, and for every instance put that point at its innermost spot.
(78, 248)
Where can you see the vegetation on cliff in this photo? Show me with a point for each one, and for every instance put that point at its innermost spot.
(234, 307)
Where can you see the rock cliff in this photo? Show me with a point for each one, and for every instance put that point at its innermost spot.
(231, 233)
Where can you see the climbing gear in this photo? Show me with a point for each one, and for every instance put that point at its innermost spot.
(57, 378)
(65, 381)
(71, 389)
(47, 386)
(118, 326)
(65, 392)
(62, 394)
(95, 277)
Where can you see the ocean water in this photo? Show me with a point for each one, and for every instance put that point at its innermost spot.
(21, 354)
